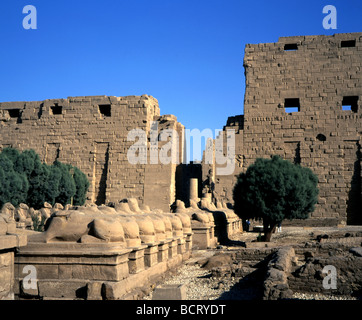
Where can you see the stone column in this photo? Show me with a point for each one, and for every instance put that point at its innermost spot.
(194, 189)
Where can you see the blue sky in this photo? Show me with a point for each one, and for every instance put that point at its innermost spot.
(187, 54)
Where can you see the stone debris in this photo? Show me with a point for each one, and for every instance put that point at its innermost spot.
(199, 283)
(239, 278)
(318, 296)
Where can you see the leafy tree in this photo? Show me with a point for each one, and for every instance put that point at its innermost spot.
(82, 185)
(13, 185)
(24, 178)
(274, 190)
(26, 161)
(66, 186)
(11, 153)
(43, 186)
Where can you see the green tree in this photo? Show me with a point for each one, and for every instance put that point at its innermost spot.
(41, 190)
(13, 185)
(24, 178)
(81, 184)
(11, 153)
(274, 190)
(66, 186)
(26, 161)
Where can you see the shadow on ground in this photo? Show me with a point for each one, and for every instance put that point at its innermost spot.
(249, 287)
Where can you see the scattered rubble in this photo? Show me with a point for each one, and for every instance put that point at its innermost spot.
(248, 270)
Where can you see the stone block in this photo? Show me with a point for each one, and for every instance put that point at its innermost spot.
(70, 289)
(3, 227)
(181, 246)
(43, 271)
(136, 261)
(357, 251)
(6, 279)
(163, 249)
(172, 252)
(151, 255)
(201, 237)
(94, 291)
(6, 259)
(170, 292)
(26, 291)
(8, 241)
(188, 242)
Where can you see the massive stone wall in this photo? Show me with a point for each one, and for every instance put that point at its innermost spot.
(314, 76)
(91, 133)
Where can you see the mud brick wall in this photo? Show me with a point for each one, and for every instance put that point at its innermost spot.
(90, 132)
(315, 75)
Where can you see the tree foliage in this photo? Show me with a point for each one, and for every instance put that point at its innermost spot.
(274, 190)
(81, 185)
(24, 178)
(13, 185)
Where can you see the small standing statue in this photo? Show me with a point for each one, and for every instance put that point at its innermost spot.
(209, 185)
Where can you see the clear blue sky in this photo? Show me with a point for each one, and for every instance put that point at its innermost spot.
(187, 54)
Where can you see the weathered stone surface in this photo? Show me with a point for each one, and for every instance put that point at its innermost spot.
(94, 290)
(73, 225)
(92, 134)
(276, 280)
(170, 292)
(217, 260)
(118, 290)
(317, 79)
(357, 251)
(70, 289)
(10, 240)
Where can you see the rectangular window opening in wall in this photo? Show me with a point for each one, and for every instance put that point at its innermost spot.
(290, 47)
(56, 109)
(105, 109)
(14, 113)
(291, 105)
(348, 43)
(350, 103)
